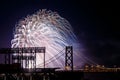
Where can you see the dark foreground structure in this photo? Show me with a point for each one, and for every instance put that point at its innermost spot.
(12, 73)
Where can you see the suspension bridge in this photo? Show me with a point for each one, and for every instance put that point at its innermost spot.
(13, 69)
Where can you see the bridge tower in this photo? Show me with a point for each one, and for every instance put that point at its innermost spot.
(69, 58)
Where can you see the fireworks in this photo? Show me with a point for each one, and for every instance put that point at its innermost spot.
(50, 30)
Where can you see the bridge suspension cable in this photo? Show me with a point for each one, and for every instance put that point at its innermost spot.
(57, 56)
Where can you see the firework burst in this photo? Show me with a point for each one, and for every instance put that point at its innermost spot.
(50, 30)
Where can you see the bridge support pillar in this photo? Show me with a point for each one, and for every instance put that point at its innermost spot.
(69, 58)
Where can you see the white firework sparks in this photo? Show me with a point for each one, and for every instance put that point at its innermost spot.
(46, 29)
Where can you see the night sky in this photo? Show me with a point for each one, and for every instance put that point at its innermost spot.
(96, 24)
